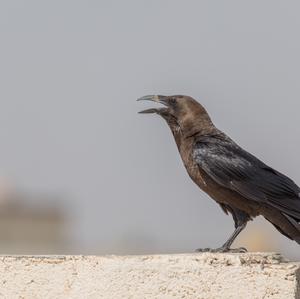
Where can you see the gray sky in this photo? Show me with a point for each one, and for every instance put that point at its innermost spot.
(70, 73)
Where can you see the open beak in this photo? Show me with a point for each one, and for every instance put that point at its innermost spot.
(154, 98)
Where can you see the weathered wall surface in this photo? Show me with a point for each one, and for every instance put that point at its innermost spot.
(186, 276)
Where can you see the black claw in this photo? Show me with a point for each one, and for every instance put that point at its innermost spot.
(203, 250)
(223, 250)
(241, 250)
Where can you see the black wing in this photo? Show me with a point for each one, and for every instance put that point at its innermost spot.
(234, 168)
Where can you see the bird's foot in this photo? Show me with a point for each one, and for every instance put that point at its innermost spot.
(237, 250)
(223, 250)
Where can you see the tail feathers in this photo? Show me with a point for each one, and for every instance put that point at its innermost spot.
(293, 232)
(296, 224)
(293, 221)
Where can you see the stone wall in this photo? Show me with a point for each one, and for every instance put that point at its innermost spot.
(194, 276)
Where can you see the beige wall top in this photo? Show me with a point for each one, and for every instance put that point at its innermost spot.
(251, 275)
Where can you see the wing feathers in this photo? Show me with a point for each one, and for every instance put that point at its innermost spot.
(232, 167)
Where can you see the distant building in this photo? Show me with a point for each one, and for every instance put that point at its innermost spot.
(32, 226)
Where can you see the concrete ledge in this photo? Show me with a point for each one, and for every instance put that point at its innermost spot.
(195, 276)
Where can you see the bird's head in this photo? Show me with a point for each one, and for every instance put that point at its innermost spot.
(182, 113)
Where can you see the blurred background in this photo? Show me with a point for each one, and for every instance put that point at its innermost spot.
(81, 172)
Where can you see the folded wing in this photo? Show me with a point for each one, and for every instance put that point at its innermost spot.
(234, 168)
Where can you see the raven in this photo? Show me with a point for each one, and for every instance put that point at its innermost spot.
(240, 183)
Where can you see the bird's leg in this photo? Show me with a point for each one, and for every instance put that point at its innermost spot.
(226, 246)
(240, 219)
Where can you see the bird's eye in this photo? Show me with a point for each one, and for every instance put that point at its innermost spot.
(173, 100)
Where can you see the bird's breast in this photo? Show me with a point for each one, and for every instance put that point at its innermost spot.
(192, 167)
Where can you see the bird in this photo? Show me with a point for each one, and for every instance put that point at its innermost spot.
(240, 183)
